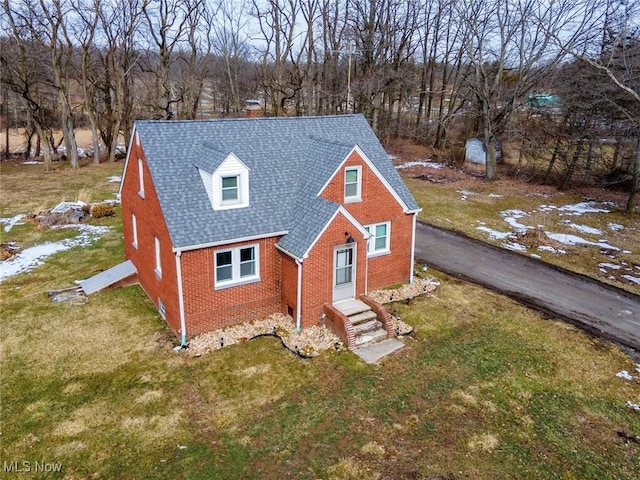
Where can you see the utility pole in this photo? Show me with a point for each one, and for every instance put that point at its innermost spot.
(349, 75)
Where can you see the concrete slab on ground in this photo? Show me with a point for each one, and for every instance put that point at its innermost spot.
(373, 352)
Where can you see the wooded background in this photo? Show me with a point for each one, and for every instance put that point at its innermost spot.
(558, 80)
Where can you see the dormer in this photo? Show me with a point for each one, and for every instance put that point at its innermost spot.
(225, 180)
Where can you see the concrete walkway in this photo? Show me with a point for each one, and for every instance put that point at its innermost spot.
(593, 306)
(373, 352)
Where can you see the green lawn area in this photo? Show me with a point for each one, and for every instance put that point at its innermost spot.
(484, 389)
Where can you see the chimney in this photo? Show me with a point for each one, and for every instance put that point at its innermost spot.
(253, 109)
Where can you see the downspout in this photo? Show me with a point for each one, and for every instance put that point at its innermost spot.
(366, 270)
(298, 294)
(183, 326)
(413, 248)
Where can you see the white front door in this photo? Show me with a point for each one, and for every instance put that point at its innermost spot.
(344, 272)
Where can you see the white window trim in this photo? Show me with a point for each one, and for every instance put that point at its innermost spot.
(371, 252)
(237, 201)
(140, 178)
(358, 196)
(134, 225)
(235, 265)
(158, 268)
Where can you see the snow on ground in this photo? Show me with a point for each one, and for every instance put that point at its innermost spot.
(615, 226)
(9, 223)
(32, 257)
(583, 207)
(495, 195)
(419, 163)
(632, 279)
(569, 239)
(512, 216)
(465, 194)
(584, 228)
(516, 247)
(612, 266)
(31, 162)
(624, 374)
(114, 179)
(548, 248)
(495, 234)
(535, 255)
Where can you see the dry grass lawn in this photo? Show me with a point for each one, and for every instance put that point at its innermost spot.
(484, 389)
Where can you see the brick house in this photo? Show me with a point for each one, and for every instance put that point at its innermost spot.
(232, 220)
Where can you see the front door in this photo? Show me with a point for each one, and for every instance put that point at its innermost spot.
(344, 273)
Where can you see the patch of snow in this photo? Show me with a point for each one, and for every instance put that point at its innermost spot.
(419, 163)
(32, 257)
(583, 207)
(63, 207)
(549, 248)
(465, 193)
(114, 179)
(516, 247)
(495, 195)
(635, 406)
(31, 162)
(11, 222)
(495, 234)
(538, 194)
(585, 229)
(611, 266)
(624, 374)
(547, 208)
(632, 279)
(535, 255)
(568, 239)
(615, 226)
(638, 367)
(512, 217)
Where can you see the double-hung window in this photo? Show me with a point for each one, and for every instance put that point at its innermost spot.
(158, 268)
(236, 266)
(230, 189)
(352, 184)
(140, 178)
(378, 243)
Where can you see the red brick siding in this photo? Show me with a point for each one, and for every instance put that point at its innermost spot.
(289, 284)
(151, 224)
(209, 309)
(317, 269)
(377, 206)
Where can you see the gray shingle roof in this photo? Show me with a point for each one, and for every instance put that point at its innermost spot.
(289, 159)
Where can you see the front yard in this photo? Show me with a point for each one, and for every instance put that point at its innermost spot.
(484, 389)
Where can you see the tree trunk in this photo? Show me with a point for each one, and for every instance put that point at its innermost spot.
(632, 203)
(45, 143)
(490, 148)
(572, 166)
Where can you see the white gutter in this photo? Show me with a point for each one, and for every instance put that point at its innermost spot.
(413, 248)
(298, 294)
(231, 240)
(183, 326)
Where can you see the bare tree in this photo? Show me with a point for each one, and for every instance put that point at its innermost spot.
(165, 22)
(279, 52)
(231, 47)
(615, 54)
(508, 45)
(24, 71)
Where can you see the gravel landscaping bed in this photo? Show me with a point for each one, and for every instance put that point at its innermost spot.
(308, 342)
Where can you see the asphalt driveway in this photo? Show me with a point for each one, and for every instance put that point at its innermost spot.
(593, 306)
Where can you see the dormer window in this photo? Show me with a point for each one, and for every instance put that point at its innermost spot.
(230, 187)
(226, 182)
